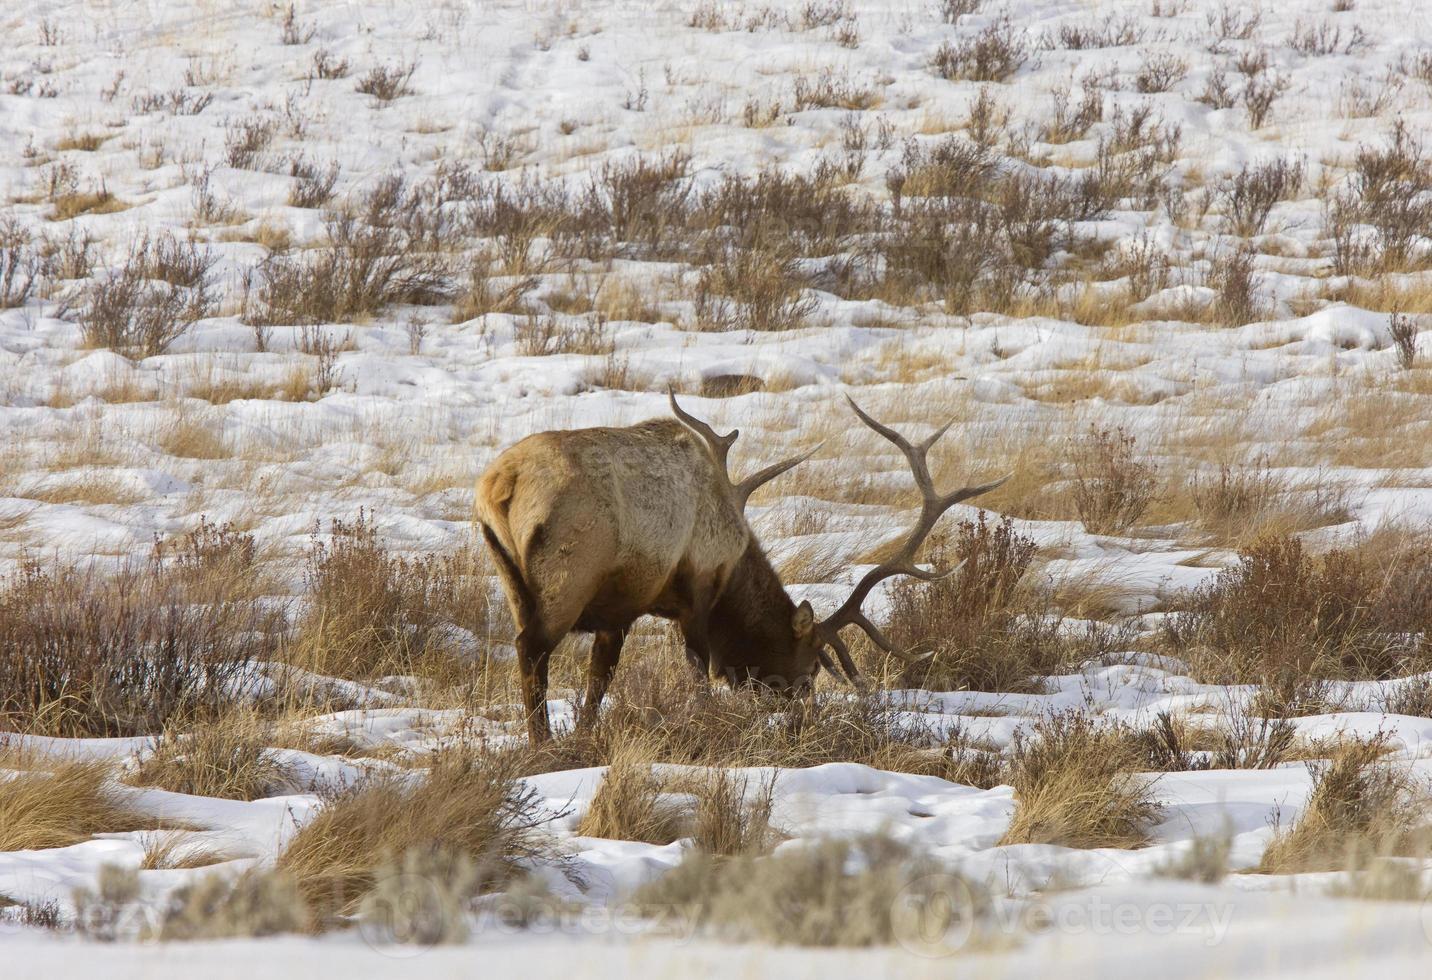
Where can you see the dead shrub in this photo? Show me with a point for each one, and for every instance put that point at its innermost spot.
(22, 263)
(327, 65)
(540, 335)
(1112, 488)
(1325, 37)
(642, 203)
(1246, 740)
(802, 214)
(942, 249)
(1160, 72)
(212, 560)
(313, 185)
(995, 54)
(1248, 196)
(1404, 339)
(1068, 122)
(1282, 616)
(387, 82)
(983, 631)
(830, 90)
(1111, 32)
(488, 292)
(1391, 190)
(385, 247)
(245, 139)
(952, 10)
(1234, 278)
(757, 288)
(1260, 92)
(1075, 785)
(120, 654)
(162, 287)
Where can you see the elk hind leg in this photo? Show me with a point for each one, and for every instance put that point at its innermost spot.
(606, 652)
(533, 654)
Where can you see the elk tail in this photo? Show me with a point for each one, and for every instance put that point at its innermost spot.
(524, 605)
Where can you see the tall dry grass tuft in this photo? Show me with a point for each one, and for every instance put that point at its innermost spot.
(730, 819)
(1360, 804)
(464, 804)
(1075, 784)
(631, 803)
(226, 757)
(58, 803)
(251, 905)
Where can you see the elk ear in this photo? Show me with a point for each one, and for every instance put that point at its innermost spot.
(804, 620)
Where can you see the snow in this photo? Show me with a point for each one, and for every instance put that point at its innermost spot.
(509, 68)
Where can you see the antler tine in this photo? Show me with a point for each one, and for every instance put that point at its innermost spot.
(721, 449)
(756, 480)
(932, 507)
(720, 445)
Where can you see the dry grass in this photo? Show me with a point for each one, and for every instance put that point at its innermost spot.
(730, 819)
(194, 435)
(631, 803)
(835, 893)
(1075, 785)
(465, 804)
(58, 803)
(369, 612)
(225, 758)
(170, 849)
(1240, 504)
(250, 905)
(1360, 804)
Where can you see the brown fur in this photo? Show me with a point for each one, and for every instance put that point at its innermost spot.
(593, 528)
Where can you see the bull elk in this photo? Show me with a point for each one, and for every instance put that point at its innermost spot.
(592, 528)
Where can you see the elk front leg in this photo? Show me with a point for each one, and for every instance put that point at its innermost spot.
(698, 653)
(606, 652)
(533, 653)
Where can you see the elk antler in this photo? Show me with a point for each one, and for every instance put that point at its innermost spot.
(721, 447)
(932, 507)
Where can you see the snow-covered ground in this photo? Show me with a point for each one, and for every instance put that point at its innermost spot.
(97, 455)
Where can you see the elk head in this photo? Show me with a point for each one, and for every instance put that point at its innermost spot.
(758, 633)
